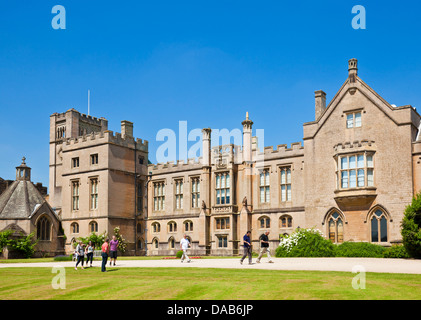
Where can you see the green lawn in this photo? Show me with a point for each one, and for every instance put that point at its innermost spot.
(201, 284)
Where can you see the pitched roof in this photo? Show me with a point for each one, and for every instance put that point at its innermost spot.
(20, 200)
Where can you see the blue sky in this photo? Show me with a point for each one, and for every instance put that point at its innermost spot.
(205, 62)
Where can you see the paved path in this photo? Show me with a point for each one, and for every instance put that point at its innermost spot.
(318, 264)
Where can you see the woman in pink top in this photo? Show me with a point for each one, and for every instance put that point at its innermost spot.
(105, 251)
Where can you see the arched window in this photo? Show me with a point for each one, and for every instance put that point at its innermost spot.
(44, 228)
(335, 227)
(156, 227)
(139, 228)
(379, 226)
(172, 226)
(155, 243)
(140, 243)
(171, 243)
(93, 226)
(264, 222)
(188, 225)
(285, 222)
(74, 227)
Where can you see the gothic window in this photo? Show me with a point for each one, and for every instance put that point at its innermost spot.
(378, 227)
(222, 223)
(156, 227)
(94, 193)
(159, 196)
(94, 159)
(171, 243)
(355, 171)
(179, 194)
(43, 228)
(75, 195)
(195, 192)
(222, 241)
(285, 222)
(336, 227)
(264, 186)
(172, 226)
(93, 226)
(188, 225)
(74, 227)
(285, 184)
(223, 188)
(264, 222)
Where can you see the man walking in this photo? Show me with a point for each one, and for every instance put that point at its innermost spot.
(113, 249)
(184, 245)
(264, 242)
(247, 247)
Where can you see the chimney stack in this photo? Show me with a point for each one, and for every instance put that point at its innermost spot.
(320, 98)
(352, 69)
(126, 129)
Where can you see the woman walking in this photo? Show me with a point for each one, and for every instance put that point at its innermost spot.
(89, 253)
(105, 250)
(80, 254)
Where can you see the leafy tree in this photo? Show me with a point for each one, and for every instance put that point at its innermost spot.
(96, 239)
(411, 227)
(4, 239)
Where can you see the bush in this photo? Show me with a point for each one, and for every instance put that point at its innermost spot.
(179, 254)
(24, 244)
(411, 231)
(396, 251)
(305, 243)
(359, 249)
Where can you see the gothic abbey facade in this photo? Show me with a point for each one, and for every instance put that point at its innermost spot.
(356, 170)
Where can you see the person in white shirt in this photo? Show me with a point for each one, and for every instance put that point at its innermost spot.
(184, 245)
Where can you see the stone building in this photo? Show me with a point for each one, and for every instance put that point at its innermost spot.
(97, 177)
(358, 167)
(24, 210)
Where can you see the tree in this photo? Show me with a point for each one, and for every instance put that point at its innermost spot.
(25, 244)
(411, 227)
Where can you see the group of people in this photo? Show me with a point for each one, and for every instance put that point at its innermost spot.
(108, 249)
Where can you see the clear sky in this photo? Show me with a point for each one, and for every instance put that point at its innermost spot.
(205, 62)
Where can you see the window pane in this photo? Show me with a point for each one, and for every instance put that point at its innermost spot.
(361, 178)
(267, 194)
(344, 163)
(358, 119)
(340, 230)
(370, 181)
(288, 176)
(344, 179)
(262, 194)
(374, 230)
(360, 161)
(218, 182)
(262, 179)
(352, 162)
(283, 177)
(283, 193)
(228, 181)
(370, 161)
(350, 120)
(352, 179)
(267, 177)
(288, 192)
(383, 229)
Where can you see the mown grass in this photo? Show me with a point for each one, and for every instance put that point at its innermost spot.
(203, 284)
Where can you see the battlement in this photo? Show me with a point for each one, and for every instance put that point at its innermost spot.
(191, 163)
(106, 136)
(348, 145)
(82, 117)
(281, 151)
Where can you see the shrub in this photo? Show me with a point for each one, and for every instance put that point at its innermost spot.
(122, 245)
(96, 239)
(179, 254)
(359, 249)
(305, 243)
(396, 251)
(24, 244)
(4, 239)
(411, 231)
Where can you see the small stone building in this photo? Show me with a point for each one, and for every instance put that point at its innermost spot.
(24, 210)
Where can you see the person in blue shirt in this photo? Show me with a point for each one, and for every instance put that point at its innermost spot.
(247, 247)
